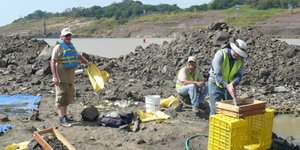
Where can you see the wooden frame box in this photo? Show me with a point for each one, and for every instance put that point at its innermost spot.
(244, 108)
(44, 144)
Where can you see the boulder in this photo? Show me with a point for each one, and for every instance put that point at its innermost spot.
(90, 113)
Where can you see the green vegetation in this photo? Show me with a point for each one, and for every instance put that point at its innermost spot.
(122, 11)
(248, 16)
(255, 4)
(103, 20)
(128, 9)
(165, 17)
(98, 26)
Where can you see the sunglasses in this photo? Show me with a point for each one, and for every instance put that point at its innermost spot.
(68, 35)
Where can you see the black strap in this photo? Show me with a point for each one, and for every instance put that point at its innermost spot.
(237, 44)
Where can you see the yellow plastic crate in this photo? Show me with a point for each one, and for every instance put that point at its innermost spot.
(227, 133)
(259, 134)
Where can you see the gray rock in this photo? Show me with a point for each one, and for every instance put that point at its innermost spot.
(221, 38)
(4, 118)
(280, 89)
(36, 81)
(171, 112)
(90, 113)
(46, 53)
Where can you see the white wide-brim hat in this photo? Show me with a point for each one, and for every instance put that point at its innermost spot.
(239, 47)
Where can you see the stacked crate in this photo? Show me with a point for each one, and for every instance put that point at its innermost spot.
(260, 130)
(236, 133)
(227, 133)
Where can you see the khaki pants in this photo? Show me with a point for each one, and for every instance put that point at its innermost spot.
(65, 94)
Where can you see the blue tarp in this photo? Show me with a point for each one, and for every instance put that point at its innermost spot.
(18, 104)
(5, 128)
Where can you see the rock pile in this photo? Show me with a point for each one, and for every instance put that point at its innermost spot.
(22, 72)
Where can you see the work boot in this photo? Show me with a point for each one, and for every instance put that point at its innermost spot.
(63, 121)
(195, 109)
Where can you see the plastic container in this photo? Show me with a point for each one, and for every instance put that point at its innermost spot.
(122, 103)
(227, 133)
(152, 103)
(260, 127)
(79, 71)
(251, 133)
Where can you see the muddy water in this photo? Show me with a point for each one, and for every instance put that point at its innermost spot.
(291, 41)
(110, 47)
(285, 125)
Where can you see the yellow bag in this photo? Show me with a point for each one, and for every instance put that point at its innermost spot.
(169, 101)
(19, 146)
(97, 77)
(150, 116)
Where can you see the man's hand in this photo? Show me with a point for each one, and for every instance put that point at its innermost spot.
(55, 80)
(230, 88)
(53, 70)
(200, 85)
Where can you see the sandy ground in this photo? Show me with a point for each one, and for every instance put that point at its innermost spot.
(84, 135)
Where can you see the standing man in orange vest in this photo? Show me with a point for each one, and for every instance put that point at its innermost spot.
(63, 64)
(226, 73)
(190, 82)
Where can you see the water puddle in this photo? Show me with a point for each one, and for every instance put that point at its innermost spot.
(285, 125)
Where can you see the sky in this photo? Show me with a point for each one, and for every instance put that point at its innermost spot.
(14, 9)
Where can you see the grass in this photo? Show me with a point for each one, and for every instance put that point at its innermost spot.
(98, 26)
(248, 16)
(22, 117)
(164, 17)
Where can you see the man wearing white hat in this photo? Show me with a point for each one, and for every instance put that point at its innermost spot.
(63, 64)
(190, 83)
(226, 73)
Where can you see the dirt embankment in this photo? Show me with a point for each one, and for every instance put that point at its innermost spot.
(286, 25)
(166, 27)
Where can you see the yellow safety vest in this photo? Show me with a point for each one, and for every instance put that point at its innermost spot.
(179, 82)
(229, 75)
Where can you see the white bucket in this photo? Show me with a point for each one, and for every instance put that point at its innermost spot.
(152, 103)
(79, 71)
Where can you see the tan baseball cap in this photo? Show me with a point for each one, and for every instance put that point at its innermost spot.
(192, 58)
(65, 32)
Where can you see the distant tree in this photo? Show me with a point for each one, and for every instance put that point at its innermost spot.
(225, 4)
(96, 11)
(117, 14)
(38, 15)
(123, 10)
(203, 7)
(110, 11)
(75, 12)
